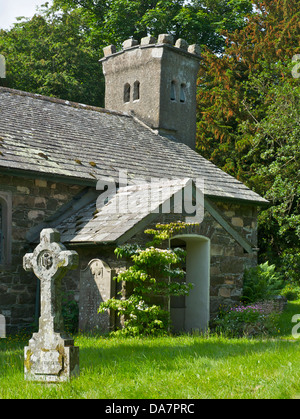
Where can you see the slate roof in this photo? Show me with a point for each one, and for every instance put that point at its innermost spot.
(52, 137)
(120, 215)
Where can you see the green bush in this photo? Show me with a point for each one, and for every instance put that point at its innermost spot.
(154, 274)
(250, 320)
(261, 283)
(70, 312)
(140, 318)
(291, 292)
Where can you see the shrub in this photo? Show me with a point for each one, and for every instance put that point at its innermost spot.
(154, 273)
(249, 320)
(140, 318)
(261, 283)
(291, 292)
(70, 312)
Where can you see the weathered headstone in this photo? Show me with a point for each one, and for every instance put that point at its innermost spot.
(51, 355)
(96, 286)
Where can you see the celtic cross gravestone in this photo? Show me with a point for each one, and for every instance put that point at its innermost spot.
(51, 355)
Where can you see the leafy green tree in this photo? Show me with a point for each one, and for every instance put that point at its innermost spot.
(248, 109)
(51, 54)
(155, 274)
(198, 21)
(275, 154)
(56, 53)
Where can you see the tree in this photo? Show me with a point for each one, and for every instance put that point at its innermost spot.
(248, 109)
(198, 21)
(56, 53)
(51, 54)
(155, 274)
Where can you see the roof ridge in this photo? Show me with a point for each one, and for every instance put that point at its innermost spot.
(69, 103)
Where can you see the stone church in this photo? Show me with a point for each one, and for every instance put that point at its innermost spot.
(58, 160)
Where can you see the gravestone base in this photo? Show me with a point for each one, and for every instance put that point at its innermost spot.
(52, 360)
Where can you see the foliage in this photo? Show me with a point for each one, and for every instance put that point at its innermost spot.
(198, 21)
(52, 55)
(70, 312)
(291, 292)
(154, 273)
(182, 367)
(261, 283)
(163, 232)
(140, 318)
(56, 52)
(248, 111)
(249, 320)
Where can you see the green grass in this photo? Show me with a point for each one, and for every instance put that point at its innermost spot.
(168, 368)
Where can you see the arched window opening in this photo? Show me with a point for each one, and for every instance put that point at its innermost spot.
(182, 93)
(136, 90)
(173, 91)
(127, 93)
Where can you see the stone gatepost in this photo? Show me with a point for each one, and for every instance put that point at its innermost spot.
(51, 355)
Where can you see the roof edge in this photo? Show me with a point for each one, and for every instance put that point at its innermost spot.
(62, 101)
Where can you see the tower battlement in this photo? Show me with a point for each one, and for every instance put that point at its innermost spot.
(156, 81)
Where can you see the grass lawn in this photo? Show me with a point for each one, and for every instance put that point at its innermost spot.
(167, 368)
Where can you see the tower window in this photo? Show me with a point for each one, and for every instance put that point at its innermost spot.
(183, 93)
(136, 90)
(127, 93)
(173, 91)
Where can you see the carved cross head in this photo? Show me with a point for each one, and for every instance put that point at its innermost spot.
(50, 258)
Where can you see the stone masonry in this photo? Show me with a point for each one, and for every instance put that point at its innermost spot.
(228, 260)
(33, 200)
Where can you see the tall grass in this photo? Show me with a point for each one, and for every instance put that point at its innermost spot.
(167, 368)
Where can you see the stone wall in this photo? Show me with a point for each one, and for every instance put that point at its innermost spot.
(228, 258)
(33, 201)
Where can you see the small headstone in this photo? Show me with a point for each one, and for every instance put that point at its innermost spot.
(96, 286)
(51, 355)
